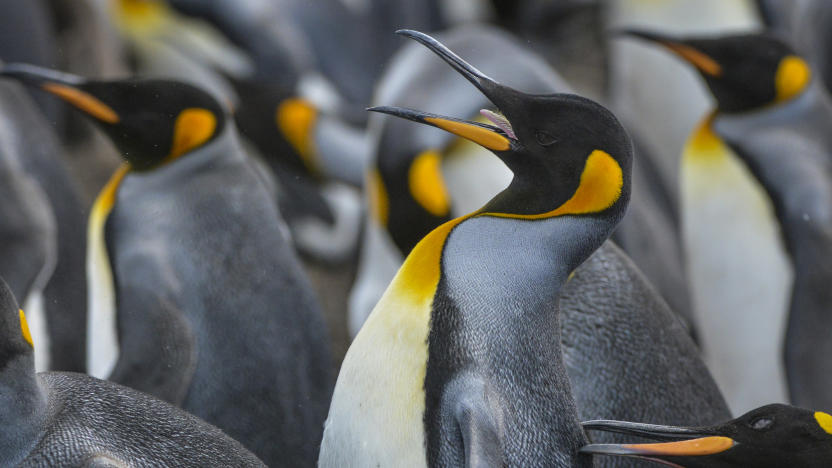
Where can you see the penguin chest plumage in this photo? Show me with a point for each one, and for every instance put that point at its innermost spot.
(739, 269)
(102, 347)
(377, 410)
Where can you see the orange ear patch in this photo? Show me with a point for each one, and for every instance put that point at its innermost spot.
(83, 101)
(427, 187)
(296, 119)
(793, 75)
(193, 127)
(824, 421)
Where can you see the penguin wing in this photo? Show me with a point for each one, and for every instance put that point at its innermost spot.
(477, 423)
(157, 349)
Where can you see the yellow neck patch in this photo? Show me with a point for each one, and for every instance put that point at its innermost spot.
(377, 197)
(83, 101)
(704, 140)
(193, 127)
(482, 136)
(24, 329)
(793, 75)
(601, 183)
(296, 119)
(426, 184)
(824, 421)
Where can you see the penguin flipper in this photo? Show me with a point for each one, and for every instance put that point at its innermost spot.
(157, 347)
(477, 424)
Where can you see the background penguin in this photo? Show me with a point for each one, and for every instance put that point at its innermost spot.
(461, 357)
(772, 436)
(628, 354)
(733, 241)
(318, 162)
(58, 313)
(213, 312)
(774, 117)
(60, 321)
(67, 419)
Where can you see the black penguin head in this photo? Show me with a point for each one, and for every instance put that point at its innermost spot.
(569, 155)
(281, 125)
(150, 121)
(770, 436)
(743, 72)
(15, 340)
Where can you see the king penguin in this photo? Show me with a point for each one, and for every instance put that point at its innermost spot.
(68, 419)
(771, 436)
(419, 178)
(460, 361)
(771, 123)
(628, 355)
(213, 312)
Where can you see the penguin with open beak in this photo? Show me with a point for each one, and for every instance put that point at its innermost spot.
(195, 283)
(460, 361)
(771, 436)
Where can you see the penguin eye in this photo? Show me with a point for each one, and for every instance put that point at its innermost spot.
(760, 424)
(544, 138)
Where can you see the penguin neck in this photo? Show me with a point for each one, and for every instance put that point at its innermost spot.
(225, 147)
(500, 284)
(23, 408)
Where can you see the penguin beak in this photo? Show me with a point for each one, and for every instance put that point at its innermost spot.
(497, 137)
(689, 53)
(64, 85)
(686, 442)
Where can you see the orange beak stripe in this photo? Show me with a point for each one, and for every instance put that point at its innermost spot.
(84, 101)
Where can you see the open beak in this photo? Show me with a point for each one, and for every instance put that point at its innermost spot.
(702, 61)
(64, 85)
(685, 442)
(497, 137)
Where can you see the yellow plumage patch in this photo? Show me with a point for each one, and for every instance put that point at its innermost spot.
(193, 127)
(84, 101)
(793, 75)
(377, 197)
(296, 119)
(482, 136)
(824, 421)
(137, 16)
(24, 329)
(426, 184)
(601, 182)
(704, 144)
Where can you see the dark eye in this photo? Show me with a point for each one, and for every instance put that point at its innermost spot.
(761, 424)
(544, 138)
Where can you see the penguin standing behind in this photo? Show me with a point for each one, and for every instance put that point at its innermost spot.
(629, 357)
(772, 121)
(460, 361)
(213, 313)
(772, 436)
(67, 419)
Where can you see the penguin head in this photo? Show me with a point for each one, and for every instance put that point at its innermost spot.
(281, 125)
(569, 155)
(16, 340)
(150, 121)
(770, 436)
(743, 72)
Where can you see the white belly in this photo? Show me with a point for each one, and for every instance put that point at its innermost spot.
(36, 319)
(102, 334)
(741, 278)
(375, 418)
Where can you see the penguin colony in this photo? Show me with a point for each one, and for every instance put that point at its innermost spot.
(273, 233)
